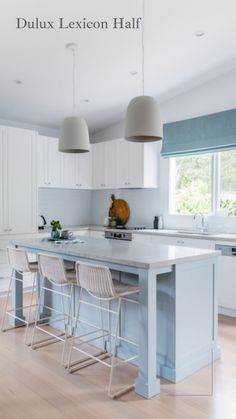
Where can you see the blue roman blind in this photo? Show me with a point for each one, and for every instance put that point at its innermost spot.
(205, 134)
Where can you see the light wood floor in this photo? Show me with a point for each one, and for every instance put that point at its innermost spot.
(33, 385)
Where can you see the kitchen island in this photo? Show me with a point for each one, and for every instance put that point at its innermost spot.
(176, 323)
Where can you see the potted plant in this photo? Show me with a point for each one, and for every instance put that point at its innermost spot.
(56, 227)
(112, 221)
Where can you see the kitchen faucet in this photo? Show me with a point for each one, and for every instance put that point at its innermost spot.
(203, 225)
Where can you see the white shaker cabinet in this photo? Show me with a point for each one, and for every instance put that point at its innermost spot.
(137, 164)
(49, 162)
(105, 165)
(83, 168)
(18, 181)
(68, 171)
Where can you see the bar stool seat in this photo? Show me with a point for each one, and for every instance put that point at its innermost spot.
(122, 289)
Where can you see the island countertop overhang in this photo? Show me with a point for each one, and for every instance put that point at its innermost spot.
(137, 255)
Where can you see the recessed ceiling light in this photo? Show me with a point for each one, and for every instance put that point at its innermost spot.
(199, 33)
(18, 81)
(133, 73)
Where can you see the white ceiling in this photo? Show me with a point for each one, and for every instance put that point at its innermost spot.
(176, 60)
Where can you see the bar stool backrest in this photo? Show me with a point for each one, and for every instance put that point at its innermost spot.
(18, 259)
(95, 279)
(52, 267)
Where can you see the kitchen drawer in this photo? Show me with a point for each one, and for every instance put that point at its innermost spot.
(143, 238)
(181, 241)
(81, 232)
(95, 233)
(161, 239)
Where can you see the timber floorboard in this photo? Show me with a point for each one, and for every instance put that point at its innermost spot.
(33, 385)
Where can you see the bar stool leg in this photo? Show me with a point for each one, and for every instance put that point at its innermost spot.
(74, 331)
(113, 352)
(128, 387)
(30, 310)
(67, 323)
(3, 329)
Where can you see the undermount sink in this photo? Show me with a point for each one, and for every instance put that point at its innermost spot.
(195, 232)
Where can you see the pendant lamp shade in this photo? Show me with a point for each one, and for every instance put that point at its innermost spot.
(74, 136)
(143, 121)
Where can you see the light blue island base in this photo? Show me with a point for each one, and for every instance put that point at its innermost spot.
(176, 321)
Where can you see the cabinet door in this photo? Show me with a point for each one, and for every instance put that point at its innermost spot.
(122, 163)
(110, 164)
(136, 165)
(130, 164)
(84, 170)
(98, 166)
(2, 163)
(54, 158)
(68, 171)
(21, 180)
(42, 158)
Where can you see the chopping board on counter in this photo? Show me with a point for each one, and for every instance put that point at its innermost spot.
(119, 209)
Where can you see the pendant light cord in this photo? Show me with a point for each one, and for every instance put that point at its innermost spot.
(74, 80)
(143, 51)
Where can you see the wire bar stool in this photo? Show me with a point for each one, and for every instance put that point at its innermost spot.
(53, 269)
(19, 264)
(98, 283)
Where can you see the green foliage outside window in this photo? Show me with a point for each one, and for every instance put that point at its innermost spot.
(193, 184)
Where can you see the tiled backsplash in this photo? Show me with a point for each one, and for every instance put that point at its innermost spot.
(71, 207)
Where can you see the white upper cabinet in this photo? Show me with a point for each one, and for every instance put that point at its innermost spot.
(68, 171)
(18, 182)
(105, 165)
(49, 163)
(83, 167)
(137, 164)
(62, 170)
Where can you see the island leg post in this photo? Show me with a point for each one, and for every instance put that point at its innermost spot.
(147, 384)
(17, 300)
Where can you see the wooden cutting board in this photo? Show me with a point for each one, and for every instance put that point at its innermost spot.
(119, 209)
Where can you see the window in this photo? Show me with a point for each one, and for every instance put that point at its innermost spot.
(203, 183)
(227, 176)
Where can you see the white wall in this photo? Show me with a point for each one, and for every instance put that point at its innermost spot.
(70, 206)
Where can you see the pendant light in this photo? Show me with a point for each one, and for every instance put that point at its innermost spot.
(74, 134)
(143, 121)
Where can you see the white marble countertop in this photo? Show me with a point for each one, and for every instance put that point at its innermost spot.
(133, 253)
(172, 233)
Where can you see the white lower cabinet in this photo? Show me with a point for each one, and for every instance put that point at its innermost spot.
(181, 241)
(96, 233)
(142, 238)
